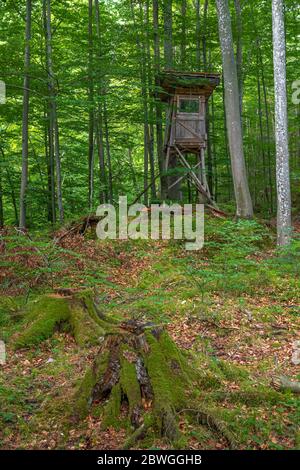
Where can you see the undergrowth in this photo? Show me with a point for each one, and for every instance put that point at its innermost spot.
(219, 304)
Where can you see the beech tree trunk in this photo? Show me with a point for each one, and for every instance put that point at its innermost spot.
(281, 127)
(244, 207)
(24, 177)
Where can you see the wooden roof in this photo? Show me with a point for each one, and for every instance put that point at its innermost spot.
(193, 83)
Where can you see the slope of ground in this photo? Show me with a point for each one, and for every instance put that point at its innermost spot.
(234, 306)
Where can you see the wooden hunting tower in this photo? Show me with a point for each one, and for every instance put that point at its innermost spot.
(187, 95)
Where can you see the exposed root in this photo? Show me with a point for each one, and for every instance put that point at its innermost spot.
(139, 434)
(283, 383)
(53, 312)
(207, 418)
(249, 397)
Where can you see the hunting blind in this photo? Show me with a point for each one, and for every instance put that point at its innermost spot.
(187, 95)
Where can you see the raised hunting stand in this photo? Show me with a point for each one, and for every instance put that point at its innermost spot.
(187, 95)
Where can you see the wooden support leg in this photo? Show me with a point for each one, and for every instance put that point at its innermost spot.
(184, 176)
(204, 179)
(201, 188)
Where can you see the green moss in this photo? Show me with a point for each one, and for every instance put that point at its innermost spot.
(44, 316)
(83, 396)
(8, 310)
(111, 412)
(85, 329)
(169, 381)
(77, 315)
(232, 371)
(208, 380)
(250, 397)
(129, 383)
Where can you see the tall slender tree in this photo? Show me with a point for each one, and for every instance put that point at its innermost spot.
(174, 193)
(25, 117)
(91, 107)
(281, 126)
(158, 110)
(99, 123)
(233, 117)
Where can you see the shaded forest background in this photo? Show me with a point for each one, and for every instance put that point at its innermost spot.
(102, 82)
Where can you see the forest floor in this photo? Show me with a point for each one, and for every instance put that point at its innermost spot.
(233, 306)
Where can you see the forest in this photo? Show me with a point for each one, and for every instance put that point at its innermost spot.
(138, 343)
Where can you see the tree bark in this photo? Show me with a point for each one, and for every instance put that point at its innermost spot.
(281, 127)
(244, 207)
(24, 177)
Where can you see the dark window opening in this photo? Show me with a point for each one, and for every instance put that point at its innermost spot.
(189, 106)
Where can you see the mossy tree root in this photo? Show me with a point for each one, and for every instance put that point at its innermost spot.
(139, 378)
(76, 313)
(208, 418)
(140, 366)
(282, 383)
